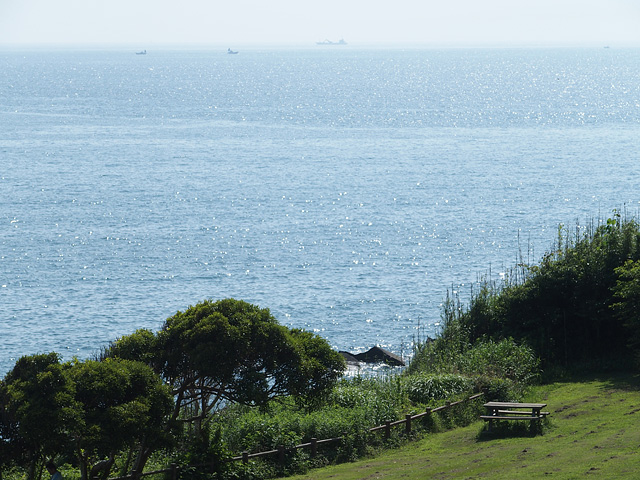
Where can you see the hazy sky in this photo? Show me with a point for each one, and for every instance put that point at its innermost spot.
(144, 23)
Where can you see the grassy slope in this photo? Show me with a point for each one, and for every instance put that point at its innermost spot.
(593, 430)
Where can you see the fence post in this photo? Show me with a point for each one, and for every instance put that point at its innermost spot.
(245, 457)
(427, 418)
(314, 447)
(281, 454)
(407, 426)
(174, 471)
(387, 429)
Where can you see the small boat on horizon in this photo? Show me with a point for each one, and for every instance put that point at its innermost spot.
(143, 52)
(329, 42)
(232, 52)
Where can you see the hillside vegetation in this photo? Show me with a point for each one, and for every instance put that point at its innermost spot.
(577, 308)
(592, 431)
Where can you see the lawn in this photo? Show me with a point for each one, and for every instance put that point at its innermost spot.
(593, 431)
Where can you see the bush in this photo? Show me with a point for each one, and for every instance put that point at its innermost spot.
(256, 431)
(382, 398)
(206, 448)
(498, 389)
(353, 407)
(424, 388)
(504, 359)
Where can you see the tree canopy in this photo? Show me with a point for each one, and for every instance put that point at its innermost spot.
(232, 351)
(226, 351)
(89, 409)
(121, 402)
(38, 409)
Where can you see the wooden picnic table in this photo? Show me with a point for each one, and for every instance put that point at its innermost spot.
(513, 411)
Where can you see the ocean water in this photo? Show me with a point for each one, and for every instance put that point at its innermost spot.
(344, 189)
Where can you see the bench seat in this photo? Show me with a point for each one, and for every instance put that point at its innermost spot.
(503, 417)
(516, 412)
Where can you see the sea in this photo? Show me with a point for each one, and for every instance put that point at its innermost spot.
(348, 190)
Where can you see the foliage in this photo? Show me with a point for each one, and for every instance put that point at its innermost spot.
(382, 398)
(203, 456)
(38, 409)
(441, 355)
(349, 411)
(318, 368)
(627, 308)
(423, 388)
(504, 359)
(499, 389)
(229, 351)
(354, 406)
(485, 361)
(252, 430)
(88, 409)
(561, 308)
(120, 403)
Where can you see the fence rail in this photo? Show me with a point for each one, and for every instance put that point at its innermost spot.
(313, 444)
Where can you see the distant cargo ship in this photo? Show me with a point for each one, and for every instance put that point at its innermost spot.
(329, 42)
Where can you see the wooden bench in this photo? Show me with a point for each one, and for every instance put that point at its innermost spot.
(503, 417)
(513, 411)
(519, 412)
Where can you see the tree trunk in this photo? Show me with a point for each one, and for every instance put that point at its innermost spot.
(102, 468)
(82, 461)
(125, 468)
(31, 473)
(141, 460)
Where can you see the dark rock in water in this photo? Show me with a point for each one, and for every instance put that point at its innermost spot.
(379, 355)
(349, 358)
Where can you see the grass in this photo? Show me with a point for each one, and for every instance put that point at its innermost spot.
(593, 431)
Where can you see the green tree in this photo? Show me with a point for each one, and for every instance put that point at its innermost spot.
(121, 402)
(317, 369)
(627, 292)
(230, 351)
(38, 410)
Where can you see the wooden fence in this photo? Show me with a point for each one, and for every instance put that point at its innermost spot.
(281, 451)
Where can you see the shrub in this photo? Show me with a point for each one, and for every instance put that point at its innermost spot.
(424, 388)
(504, 359)
(353, 407)
(498, 389)
(381, 398)
(256, 431)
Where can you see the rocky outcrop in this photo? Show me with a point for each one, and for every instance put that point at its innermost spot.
(374, 355)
